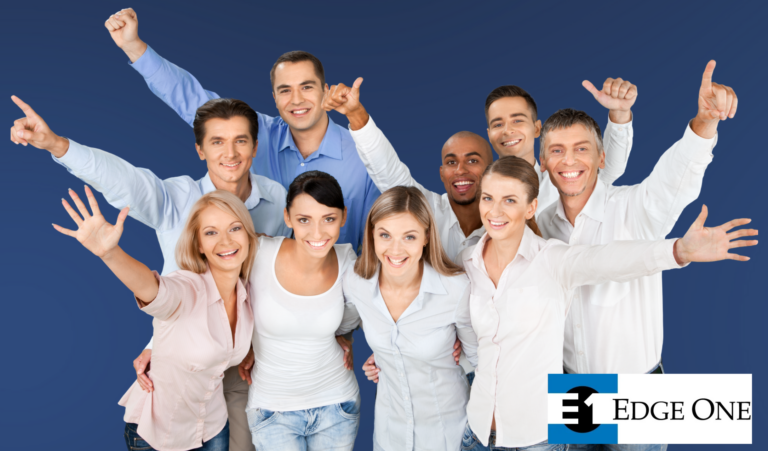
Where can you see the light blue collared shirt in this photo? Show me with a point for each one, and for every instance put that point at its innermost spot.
(277, 158)
(164, 205)
(422, 393)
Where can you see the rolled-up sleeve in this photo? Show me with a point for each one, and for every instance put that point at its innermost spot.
(167, 305)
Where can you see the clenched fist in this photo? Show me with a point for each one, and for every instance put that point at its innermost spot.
(123, 26)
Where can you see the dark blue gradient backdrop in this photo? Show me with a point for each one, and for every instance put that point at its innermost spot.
(71, 330)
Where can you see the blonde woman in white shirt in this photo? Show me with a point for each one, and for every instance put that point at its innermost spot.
(521, 291)
(301, 395)
(413, 302)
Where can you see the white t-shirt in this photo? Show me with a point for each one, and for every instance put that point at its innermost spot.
(299, 365)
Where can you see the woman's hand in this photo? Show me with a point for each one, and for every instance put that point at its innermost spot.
(711, 244)
(346, 345)
(93, 231)
(371, 371)
(245, 367)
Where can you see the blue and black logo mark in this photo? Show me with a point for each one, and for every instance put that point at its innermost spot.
(585, 430)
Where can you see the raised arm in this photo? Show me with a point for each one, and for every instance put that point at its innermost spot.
(380, 159)
(676, 179)
(153, 201)
(175, 86)
(617, 96)
(626, 260)
(101, 238)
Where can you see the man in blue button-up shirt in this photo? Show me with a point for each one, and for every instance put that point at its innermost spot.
(302, 139)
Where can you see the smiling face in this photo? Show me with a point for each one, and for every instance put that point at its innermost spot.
(511, 128)
(399, 242)
(504, 206)
(316, 227)
(223, 239)
(572, 158)
(298, 94)
(228, 148)
(465, 157)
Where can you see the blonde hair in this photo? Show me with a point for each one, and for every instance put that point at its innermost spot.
(404, 199)
(188, 254)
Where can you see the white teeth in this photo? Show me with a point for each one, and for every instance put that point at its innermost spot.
(493, 223)
(300, 111)
(570, 175)
(463, 182)
(510, 143)
(228, 253)
(317, 243)
(233, 165)
(397, 262)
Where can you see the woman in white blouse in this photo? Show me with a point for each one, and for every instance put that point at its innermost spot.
(301, 395)
(521, 291)
(413, 302)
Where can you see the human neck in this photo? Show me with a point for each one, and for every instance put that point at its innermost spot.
(468, 216)
(304, 262)
(240, 188)
(226, 283)
(411, 279)
(572, 205)
(308, 141)
(504, 250)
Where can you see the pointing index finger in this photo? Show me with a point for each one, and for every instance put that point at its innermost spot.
(24, 107)
(706, 79)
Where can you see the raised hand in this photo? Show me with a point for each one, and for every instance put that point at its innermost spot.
(123, 26)
(617, 95)
(716, 101)
(32, 129)
(711, 244)
(93, 231)
(343, 98)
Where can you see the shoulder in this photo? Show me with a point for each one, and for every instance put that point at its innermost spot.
(352, 282)
(268, 245)
(270, 189)
(547, 214)
(182, 276)
(465, 256)
(346, 255)
(455, 285)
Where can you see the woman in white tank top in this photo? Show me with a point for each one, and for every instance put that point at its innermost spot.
(302, 397)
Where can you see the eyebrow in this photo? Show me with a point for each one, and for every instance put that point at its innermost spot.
(505, 197)
(309, 216)
(574, 144)
(306, 82)
(453, 155)
(230, 225)
(496, 119)
(220, 138)
(385, 230)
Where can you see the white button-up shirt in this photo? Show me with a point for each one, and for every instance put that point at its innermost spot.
(617, 327)
(387, 171)
(520, 322)
(422, 394)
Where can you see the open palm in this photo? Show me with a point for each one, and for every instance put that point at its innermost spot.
(711, 244)
(93, 231)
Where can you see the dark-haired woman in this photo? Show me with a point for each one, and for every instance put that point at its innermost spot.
(302, 397)
(521, 292)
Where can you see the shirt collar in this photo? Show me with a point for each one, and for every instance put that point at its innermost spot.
(595, 207)
(330, 146)
(526, 249)
(253, 199)
(455, 222)
(430, 281)
(212, 291)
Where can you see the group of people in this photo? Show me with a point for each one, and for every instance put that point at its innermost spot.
(302, 231)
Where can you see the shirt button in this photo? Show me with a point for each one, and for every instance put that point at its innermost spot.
(578, 326)
(401, 374)
(302, 164)
(406, 397)
(581, 353)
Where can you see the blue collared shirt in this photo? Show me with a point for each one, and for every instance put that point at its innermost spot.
(277, 158)
(164, 205)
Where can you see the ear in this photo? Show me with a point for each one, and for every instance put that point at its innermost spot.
(200, 152)
(532, 209)
(255, 146)
(273, 94)
(602, 160)
(344, 217)
(537, 128)
(287, 218)
(442, 179)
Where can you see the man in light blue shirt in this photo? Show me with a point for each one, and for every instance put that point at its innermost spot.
(302, 139)
(224, 135)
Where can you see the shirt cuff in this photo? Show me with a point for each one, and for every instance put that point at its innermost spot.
(366, 135)
(76, 158)
(148, 64)
(619, 128)
(698, 149)
(664, 256)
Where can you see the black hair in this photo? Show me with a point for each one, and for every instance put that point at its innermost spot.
(320, 185)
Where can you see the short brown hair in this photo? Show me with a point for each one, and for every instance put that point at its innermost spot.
(511, 91)
(224, 109)
(567, 118)
(188, 255)
(404, 199)
(518, 169)
(297, 56)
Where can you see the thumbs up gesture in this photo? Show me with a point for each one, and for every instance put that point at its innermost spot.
(346, 100)
(617, 95)
(716, 101)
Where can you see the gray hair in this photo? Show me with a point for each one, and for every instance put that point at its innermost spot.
(569, 117)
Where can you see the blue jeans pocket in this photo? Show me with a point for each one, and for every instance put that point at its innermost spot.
(468, 441)
(349, 409)
(258, 418)
(133, 440)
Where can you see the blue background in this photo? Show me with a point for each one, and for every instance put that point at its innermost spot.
(70, 328)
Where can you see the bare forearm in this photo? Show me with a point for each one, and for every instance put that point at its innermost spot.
(620, 116)
(358, 118)
(134, 50)
(134, 274)
(706, 128)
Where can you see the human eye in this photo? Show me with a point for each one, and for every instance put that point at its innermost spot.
(330, 219)
(510, 201)
(303, 221)
(384, 235)
(410, 237)
(450, 162)
(473, 161)
(242, 141)
(486, 198)
(210, 233)
(236, 229)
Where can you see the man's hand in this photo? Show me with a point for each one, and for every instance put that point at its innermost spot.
(346, 345)
(346, 101)
(716, 103)
(32, 129)
(123, 26)
(244, 369)
(711, 244)
(371, 371)
(141, 365)
(457, 350)
(617, 95)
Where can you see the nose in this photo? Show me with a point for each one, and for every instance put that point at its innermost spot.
(495, 210)
(296, 97)
(460, 168)
(570, 157)
(230, 150)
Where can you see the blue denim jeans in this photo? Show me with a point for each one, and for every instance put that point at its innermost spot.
(134, 442)
(470, 443)
(618, 447)
(332, 427)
